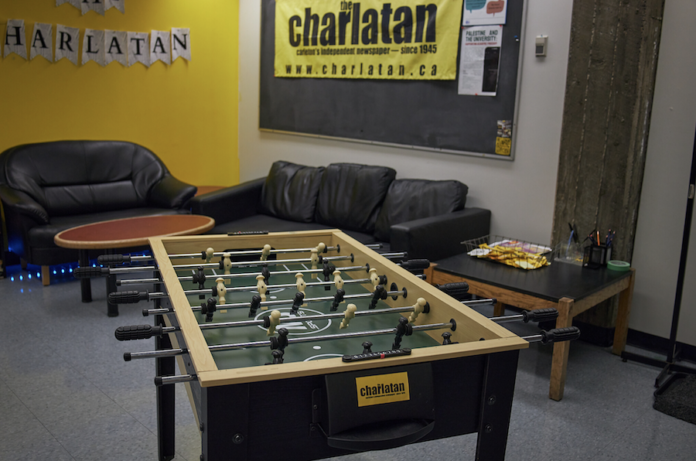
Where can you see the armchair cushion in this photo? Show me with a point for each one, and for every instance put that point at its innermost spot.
(411, 199)
(350, 195)
(290, 191)
(171, 193)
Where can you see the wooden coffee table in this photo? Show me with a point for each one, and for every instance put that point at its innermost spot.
(125, 233)
(566, 287)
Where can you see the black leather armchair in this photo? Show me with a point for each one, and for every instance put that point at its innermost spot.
(46, 188)
(427, 219)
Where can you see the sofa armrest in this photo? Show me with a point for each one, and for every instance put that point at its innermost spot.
(170, 193)
(440, 236)
(22, 203)
(231, 203)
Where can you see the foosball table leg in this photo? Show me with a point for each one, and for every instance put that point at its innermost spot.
(225, 422)
(496, 405)
(111, 308)
(165, 366)
(85, 283)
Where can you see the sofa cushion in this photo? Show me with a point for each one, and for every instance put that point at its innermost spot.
(42, 236)
(262, 222)
(290, 191)
(69, 177)
(411, 199)
(350, 195)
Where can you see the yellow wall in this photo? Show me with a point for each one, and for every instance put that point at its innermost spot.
(186, 112)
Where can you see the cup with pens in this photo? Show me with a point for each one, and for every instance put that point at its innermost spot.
(572, 251)
(596, 254)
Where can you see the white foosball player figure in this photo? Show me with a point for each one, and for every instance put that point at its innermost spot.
(338, 281)
(209, 255)
(227, 265)
(221, 290)
(374, 278)
(275, 321)
(321, 248)
(348, 315)
(417, 310)
(265, 252)
(315, 260)
(301, 285)
(261, 287)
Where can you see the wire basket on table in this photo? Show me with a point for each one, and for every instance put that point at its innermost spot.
(513, 252)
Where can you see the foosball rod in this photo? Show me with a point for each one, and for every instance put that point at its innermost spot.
(452, 325)
(546, 337)
(414, 264)
(116, 259)
(132, 297)
(148, 331)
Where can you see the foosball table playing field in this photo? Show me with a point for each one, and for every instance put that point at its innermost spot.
(310, 345)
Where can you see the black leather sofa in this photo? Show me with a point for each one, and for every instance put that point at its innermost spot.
(428, 219)
(46, 188)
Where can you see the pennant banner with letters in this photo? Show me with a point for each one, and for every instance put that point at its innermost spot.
(100, 46)
(367, 39)
(99, 6)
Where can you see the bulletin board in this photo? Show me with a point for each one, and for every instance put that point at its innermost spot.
(427, 115)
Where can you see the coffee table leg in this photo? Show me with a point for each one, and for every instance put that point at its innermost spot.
(85, 283)
(111, 308)
(559, 363)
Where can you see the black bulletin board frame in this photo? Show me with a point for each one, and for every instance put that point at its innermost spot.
(415, 114)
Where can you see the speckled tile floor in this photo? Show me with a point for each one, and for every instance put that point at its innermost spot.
(67, 394)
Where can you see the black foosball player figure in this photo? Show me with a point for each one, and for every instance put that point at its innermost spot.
(266, 274)
(199, 278)
(254, 305)
(402, 329)
(380, 293)
(208, 308)
(297, 302)
(328, 271)
(338, 299)
(280, 342)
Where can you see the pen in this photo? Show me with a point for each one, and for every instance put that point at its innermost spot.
(598, 238)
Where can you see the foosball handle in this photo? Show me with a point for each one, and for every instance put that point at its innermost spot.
(137, 332)
(90, 272)
(540, 315)
(128, 297)
(415, 264)
(560, 334)
(113, 259)
(456, 290)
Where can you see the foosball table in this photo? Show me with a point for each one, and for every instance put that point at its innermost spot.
(312, 345)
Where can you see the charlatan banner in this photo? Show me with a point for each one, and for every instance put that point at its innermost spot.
(138, 48)
(75, 3)
(93, 47)
(367, 39)
(42, 41)
(120, 5)
(160, 49)
(67, 43)
(94, 5)
(116, 47)
(181, 43)
(15, 41)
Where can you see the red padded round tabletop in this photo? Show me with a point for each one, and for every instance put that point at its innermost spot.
(127, 232)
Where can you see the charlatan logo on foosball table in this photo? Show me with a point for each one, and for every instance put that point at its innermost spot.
(367, 39)
(379, 389)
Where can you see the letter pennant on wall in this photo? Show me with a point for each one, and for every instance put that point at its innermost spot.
(100, 46)
(42, 41)
(67, 42)
(99, 6)
(15, 38)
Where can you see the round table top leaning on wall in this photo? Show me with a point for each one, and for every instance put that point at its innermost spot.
(129, 232)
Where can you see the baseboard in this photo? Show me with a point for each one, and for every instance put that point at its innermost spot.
(659, 344)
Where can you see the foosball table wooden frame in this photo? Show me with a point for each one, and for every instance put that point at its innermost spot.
(260, 412)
